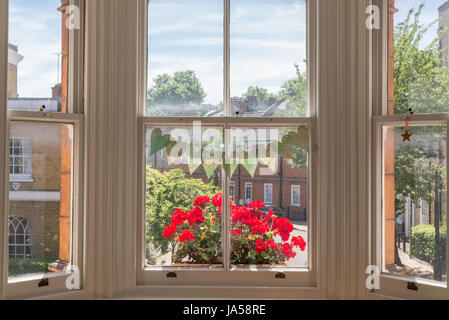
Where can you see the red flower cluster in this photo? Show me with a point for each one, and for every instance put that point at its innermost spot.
(178, 218)
(236, 232)
(201, 201)
(261, 246)
(195, 216)
(186, 236)
(287, 250)
(283, 228)
(217, 200)
(299, 242)
(169, 231)
(256, 205)
(250, 228)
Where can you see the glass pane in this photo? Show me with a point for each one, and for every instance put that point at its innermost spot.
(269, 234)
(41, 207)
(185, 62)
(415, 202)
(268, 58)
(419, 66)
(183, 196)
(37, 56)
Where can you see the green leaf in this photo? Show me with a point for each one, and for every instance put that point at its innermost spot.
(158, 141)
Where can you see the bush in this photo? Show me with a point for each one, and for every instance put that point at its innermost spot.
(18, 267)
(422, 243)
(166, 192)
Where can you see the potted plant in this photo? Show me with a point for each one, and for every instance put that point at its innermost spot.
(256, 239)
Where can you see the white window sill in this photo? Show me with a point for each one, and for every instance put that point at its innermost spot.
(14, 178)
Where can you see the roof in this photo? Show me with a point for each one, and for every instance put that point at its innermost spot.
(13, 47)
(34, 104)
(444, 6)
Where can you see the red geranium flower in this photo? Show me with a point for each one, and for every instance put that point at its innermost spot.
(236, 232)
(201, 201)
(287, 250)
(299, 242)
(272, 245)
(186, 236)
(169, 231)
(217, 200)
(260, 227)
(178, 217)
(261, 246)
(283, 227)
(195, 216)
(256, 205)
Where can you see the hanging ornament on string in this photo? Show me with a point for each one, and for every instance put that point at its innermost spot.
(407, 135)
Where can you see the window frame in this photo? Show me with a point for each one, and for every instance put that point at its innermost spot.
(28, 288)
(393, 285)
(390, 285)
(20, 177)
(248, 186)
(150, 278)
(293, 195)
(265, 193)
(26, 227)
(155, 277)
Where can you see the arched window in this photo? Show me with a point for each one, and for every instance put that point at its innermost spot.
(20, 238)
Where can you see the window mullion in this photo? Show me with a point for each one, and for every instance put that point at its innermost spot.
(226, 207)
(226, 56)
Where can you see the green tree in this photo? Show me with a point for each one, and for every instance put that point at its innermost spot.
(183, 87)
(421, 82)
(295, 92)
(260, 94)
(166, 192)
(421, 76)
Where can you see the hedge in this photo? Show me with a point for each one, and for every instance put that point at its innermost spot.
(422, 243)
(18, 267)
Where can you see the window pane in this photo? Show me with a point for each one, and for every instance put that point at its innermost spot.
(41, 206)
(185, 62)
(183, 196)
(37, 56)
(415, 202)
(269, 234)
(268, 58)
(419, 59)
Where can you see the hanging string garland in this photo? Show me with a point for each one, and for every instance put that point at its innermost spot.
(407, 135)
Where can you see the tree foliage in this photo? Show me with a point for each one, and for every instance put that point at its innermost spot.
(295, 92)
(260, 94)
(166, 192)
(421, 76)
(421, 82)
(183, 87)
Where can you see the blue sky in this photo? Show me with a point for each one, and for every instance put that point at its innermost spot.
(267, 38)
(35, 27)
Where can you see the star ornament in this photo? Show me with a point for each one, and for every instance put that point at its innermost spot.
(407, 135)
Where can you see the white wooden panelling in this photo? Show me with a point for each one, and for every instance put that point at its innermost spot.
(4, 153)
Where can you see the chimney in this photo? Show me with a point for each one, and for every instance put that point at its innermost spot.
(14, 58)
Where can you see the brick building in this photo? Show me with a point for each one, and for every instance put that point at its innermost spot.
(443, 12)
(285, 191)
(40, 170)
(35, 156)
